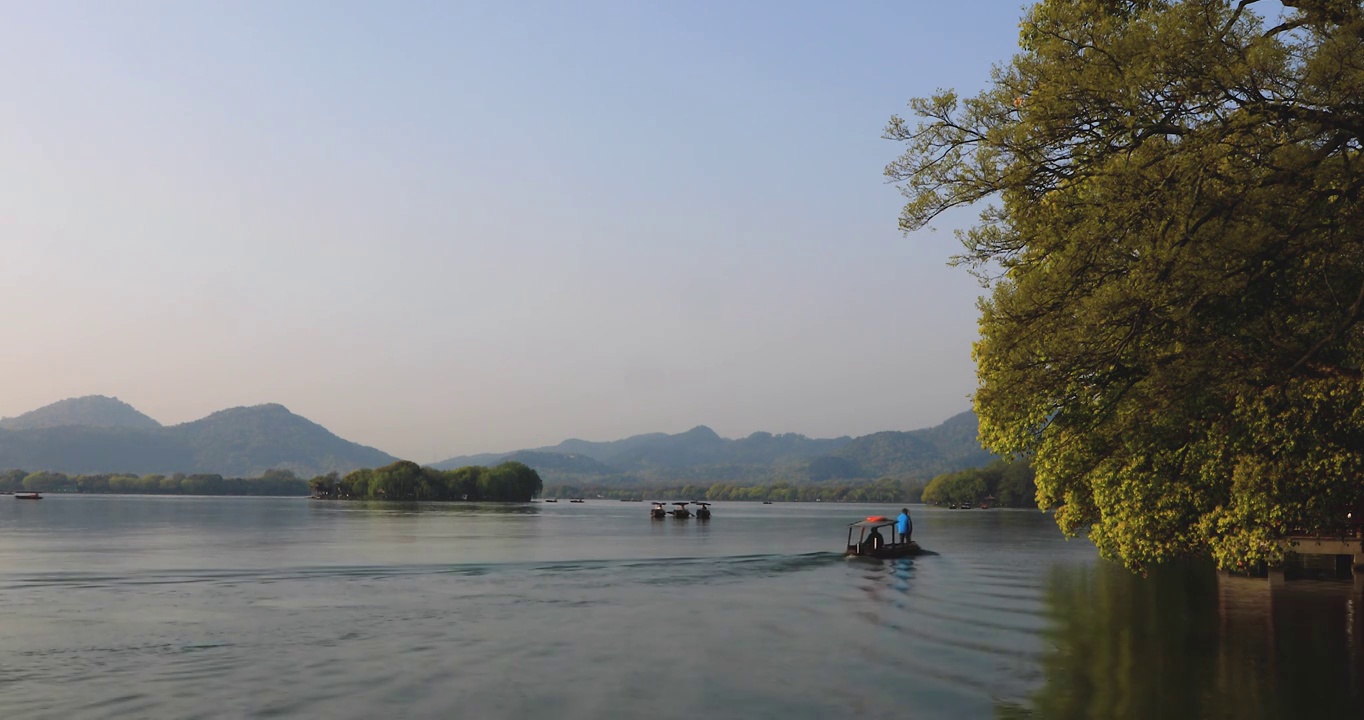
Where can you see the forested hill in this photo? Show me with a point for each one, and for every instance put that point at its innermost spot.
(241, 442)
(701, 454)
(88, 411)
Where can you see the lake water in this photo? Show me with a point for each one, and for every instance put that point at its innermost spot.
(151, 607)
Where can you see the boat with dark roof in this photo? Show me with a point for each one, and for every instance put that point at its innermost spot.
(871, 543)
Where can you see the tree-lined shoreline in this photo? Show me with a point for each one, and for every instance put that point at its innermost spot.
(517, 482)
(274, 483)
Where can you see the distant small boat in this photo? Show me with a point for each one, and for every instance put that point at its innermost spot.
(551, 500)
(576, 500)
(658, 511)
(28, 496)
(703, 511)
(767, 502)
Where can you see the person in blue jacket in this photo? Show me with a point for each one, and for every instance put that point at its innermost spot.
(904, 525)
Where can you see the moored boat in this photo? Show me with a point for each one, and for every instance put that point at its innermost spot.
(28, 496)
(703, 511)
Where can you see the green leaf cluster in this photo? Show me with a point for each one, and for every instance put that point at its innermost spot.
(1174, 254)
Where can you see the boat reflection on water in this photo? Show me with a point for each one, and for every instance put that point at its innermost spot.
(1188, 642)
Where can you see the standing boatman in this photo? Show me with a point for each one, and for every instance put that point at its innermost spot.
(904, 525)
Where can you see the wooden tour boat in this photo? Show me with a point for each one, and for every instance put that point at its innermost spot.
(870, 542)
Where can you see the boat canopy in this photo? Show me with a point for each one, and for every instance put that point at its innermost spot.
(681, 503)
(703, 503)
(873, 522)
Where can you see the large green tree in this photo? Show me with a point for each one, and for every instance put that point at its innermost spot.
(1173, 247)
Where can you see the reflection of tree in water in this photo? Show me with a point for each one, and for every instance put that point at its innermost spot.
(1186, 643)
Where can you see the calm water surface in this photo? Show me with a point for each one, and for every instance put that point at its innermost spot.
(146, 607)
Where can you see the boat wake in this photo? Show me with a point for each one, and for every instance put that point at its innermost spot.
(654, 571)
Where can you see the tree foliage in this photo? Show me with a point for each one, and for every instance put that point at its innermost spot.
(1002, 483)
(1175, 256)
(273, 482)
(406, 480)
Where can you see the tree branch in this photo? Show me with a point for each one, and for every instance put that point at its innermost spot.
(1351, 318)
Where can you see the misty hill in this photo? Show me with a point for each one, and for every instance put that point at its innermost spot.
(951, 446)
(269, 436)
(700, 454)
(89, 411)
(239, 442)
(574, 464)
(698, 446)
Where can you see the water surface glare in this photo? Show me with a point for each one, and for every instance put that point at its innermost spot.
(174, 607)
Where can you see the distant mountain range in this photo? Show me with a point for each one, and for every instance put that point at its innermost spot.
(97, 434)
(701, 455)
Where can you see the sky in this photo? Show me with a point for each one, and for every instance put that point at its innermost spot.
(442, 228)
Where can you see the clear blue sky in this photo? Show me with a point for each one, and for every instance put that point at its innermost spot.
(442, 228)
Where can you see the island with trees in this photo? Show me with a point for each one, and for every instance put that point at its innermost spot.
(406, 480)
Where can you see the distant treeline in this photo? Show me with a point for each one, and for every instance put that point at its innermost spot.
(1005, 484)
(273, 482)
(405, 480)
(1010, 484)
(883, 490)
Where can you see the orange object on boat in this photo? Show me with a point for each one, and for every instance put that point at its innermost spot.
(876, 518)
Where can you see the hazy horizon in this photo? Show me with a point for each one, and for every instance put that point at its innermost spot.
(449, 230)
(494, 451)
